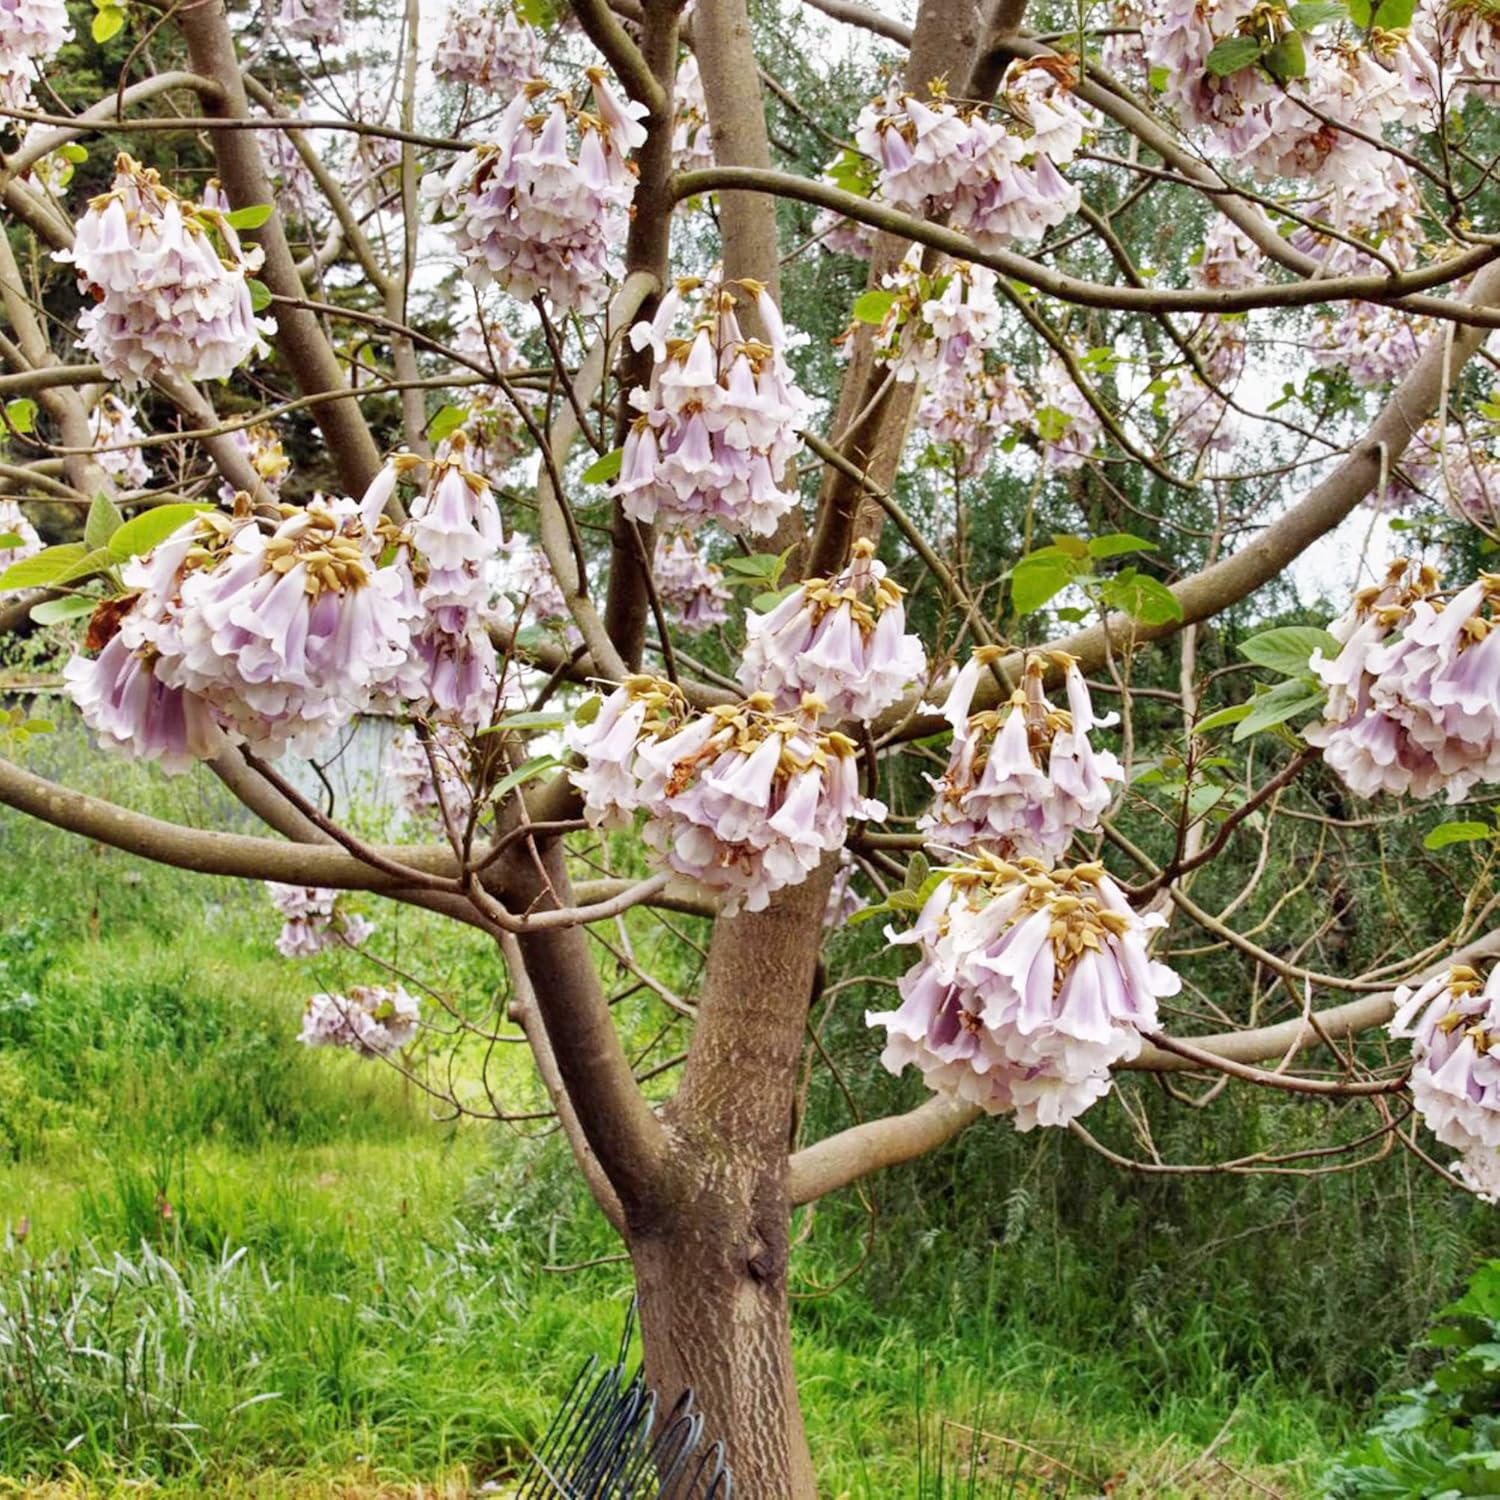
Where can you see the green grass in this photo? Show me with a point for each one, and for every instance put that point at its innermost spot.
(232, 1266)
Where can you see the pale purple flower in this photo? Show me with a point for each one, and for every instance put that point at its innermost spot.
(741, 800)
(31, 31)
(318, 21)
(720, 421)
(692, 145)
(487, 46)
(841, 641)
(1024, 778)
(168, 283)
(1028, 988)
(541, 210)
(372, 1020)
(411, 762)
(112, 425)
(262, 448)
(1454, 1027)
(690, 587)
(315, 919)
(1414, 693)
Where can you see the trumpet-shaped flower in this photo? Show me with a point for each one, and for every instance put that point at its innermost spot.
(372, 1020)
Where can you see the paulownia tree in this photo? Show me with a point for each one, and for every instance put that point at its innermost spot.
(449, 378)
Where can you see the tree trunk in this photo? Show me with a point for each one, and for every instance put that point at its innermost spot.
(712, 1283)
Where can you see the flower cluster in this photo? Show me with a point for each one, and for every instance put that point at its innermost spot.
(320, 22)
(1453, 1022)
(1023, 778)
(536, 213)
(841, 641)
(970, 412)
(1067, 425)
(30, 32)
(688, 585)
(411, 762)
(692, 145)
(266, 456)
(271, 636)
(719, 421)
(1372, 343)
(1455, 468)
(526, 579)
(116, 436)
(1199, 417)
(1460, 40)
(1029, 986)
(997, 180)
(487, 47)
(166, 301)
(936, 328)
(315, 920)
(1414, 692)
(455, 534)
(372, 1020)
(743, 800)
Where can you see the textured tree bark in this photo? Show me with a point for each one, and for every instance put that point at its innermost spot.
(712, 1267)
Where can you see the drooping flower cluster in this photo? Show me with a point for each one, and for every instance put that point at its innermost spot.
(1024, 778)
(719, 421)
(318, 21)
(411, 762)
(270, 636)
(996, 179)
(30, 32)
(692, 145)
(314, 920)
(1372, 343)
(1029, 987)
(743, 800)
(455, 534)
(839, 640)
(487, 47)
(1067, 425)
(1460, 39)
(168, 281)
(266, 456)
(1454, 1024)
(372, 1020)
(970, 413)
(1414, 693)
(688, 585)
(526, 579)
(1456, 468)
(1323, 117)
(538, 214)
(116, 435)
(1199, 417)
(937, 328)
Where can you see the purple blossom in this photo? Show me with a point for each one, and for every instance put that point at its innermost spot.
(840, 641)
(688, 585)
(315, 919)
(318, 21)
(165, 299)
(112, 426)
(1028, 988)
(262, 448)
(1024, 778)
(487, 47)
(372, 1020)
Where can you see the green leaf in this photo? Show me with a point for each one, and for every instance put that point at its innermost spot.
(1202, 799)
(1287, 58)
(853, 173)
(588, 710)
(917, 871)
(763, 604)
(537, 766)
(447, 421)
(250, 217)
(143, 532)
(9, 539)
(46, 567)
(1390, 14)
(1118, 543)
(1287, 700)
(1289, 648)
(89, 565)
(1220, 717)
(1035, 579)
(1051, 423)
(604, 469)
(1457, 833)
(1234, 53)
(107, 23)
(260, 294)
(73, 152)
(1157, 80)
(21, 413)
(758, 567)
(1070, 546)
(872, 306)
(54, 611)
(1142, 597)
(1314, 13)
(103, 521)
